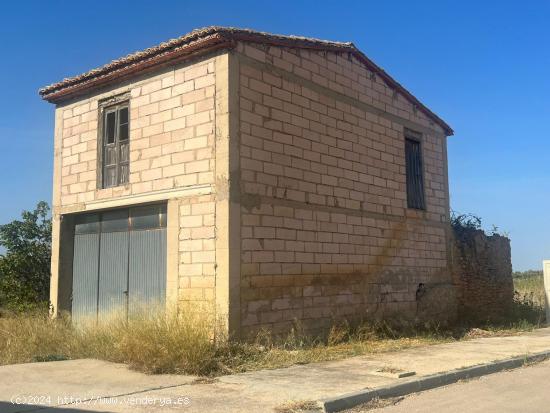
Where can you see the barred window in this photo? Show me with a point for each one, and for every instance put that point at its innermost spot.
(116, 157)
(415, 174)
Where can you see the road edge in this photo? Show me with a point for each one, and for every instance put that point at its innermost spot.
(432, 381)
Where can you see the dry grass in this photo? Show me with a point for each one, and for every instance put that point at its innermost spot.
(343, 341)
(300, 406)
(530, 300)
(150, 341)
(193, 342)
(531, 286)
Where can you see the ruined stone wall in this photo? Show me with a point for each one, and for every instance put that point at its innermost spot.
(325, 228)
(482, 269)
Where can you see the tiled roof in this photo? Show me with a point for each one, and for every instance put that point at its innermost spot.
(201, 41)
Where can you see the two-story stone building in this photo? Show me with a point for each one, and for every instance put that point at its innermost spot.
(277, 177)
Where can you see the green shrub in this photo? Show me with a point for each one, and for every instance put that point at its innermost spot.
(25, 265)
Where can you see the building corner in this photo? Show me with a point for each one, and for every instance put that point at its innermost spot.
(227, 190)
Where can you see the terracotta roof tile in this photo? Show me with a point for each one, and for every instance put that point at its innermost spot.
(204, 40)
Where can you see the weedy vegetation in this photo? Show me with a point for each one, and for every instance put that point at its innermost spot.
(529, 297)
(193, 341)
(298, 406)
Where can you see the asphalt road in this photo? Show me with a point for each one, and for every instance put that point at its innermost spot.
(525, 390)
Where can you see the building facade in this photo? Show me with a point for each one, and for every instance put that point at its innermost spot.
(279, 178)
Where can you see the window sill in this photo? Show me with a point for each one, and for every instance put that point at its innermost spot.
(113, 191)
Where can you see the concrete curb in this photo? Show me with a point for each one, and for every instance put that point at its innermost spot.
(349, 400)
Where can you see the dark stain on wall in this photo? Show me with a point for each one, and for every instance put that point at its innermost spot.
(482, 273)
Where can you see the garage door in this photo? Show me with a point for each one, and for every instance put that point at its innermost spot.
(119, 262)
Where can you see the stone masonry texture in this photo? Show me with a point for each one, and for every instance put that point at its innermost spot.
(482, 268)
(172, 119)
(172, 136)
(312, 180)
(325, 229)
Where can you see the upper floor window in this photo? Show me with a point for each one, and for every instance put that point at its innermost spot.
(115, 145)
(415, 174)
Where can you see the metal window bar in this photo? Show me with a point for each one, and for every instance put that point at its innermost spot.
(414, 172)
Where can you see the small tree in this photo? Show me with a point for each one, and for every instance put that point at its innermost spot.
(25, 265)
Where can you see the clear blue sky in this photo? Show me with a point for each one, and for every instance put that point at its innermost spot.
(482, 66)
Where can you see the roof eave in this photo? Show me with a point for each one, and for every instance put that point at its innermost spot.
(185, 52)
(401, 89)
(216, 38)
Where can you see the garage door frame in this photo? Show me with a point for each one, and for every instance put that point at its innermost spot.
(121, 237)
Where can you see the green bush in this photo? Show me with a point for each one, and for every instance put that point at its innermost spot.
(25, 265)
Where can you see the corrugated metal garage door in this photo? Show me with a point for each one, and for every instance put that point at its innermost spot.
(147, 280)
(85, 267)
(119, 261)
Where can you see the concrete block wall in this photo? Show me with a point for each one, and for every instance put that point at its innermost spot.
(172, 159)
(325, 228)
(171, 136)
(197, 249)
(284, 174)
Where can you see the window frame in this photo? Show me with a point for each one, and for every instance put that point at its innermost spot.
(416, 138)
(110, 105)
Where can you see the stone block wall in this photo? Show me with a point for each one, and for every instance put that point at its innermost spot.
(285, 170)
(325, 228)
(482, 270)
(172, 159)
(197, 249)
(172, 118)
